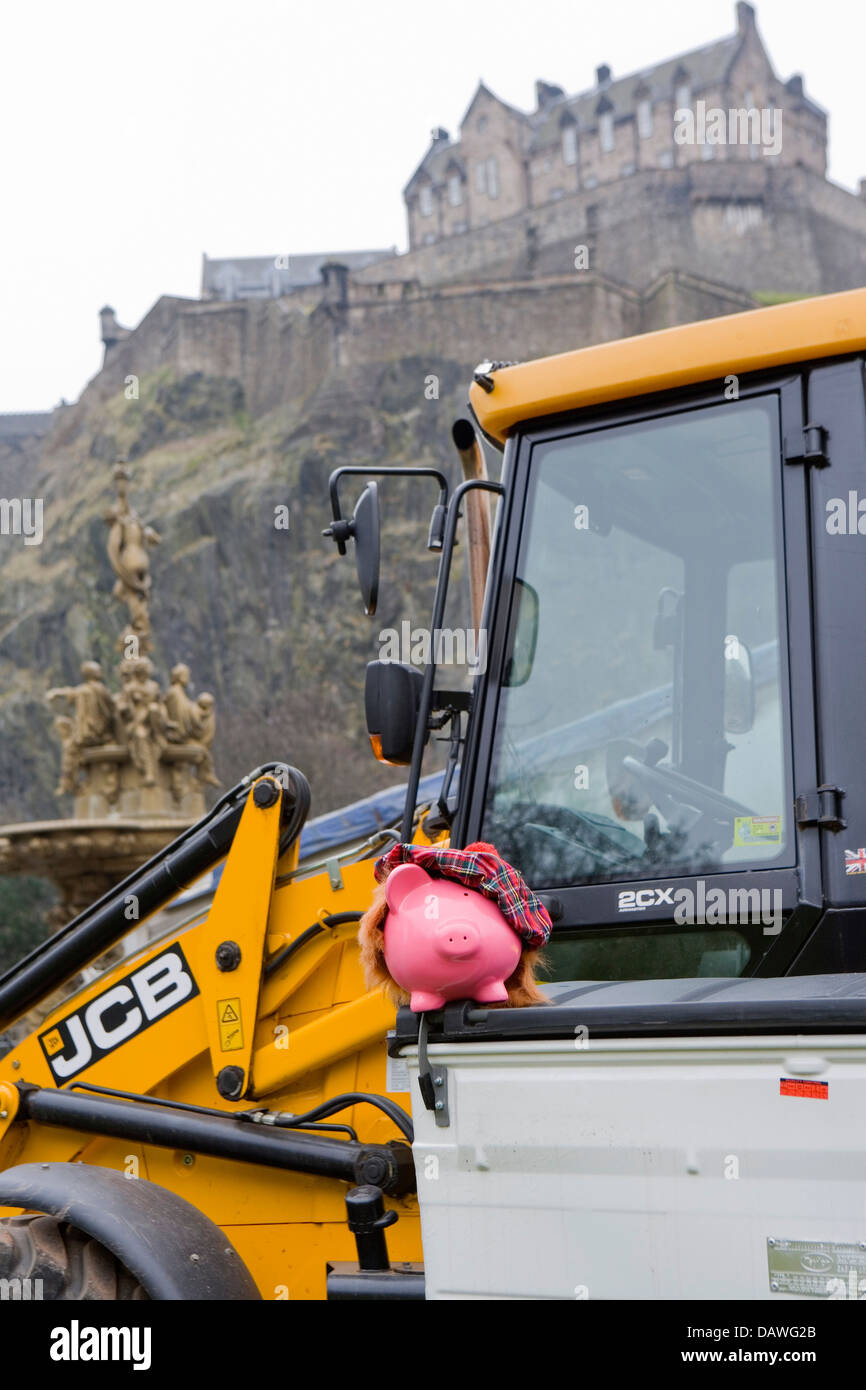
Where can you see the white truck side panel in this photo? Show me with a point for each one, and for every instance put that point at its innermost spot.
(657, 1169)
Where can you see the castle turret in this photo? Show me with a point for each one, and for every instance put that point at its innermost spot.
(110, 330)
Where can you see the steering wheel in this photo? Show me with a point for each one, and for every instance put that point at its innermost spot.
(685, 790)
(600, 840)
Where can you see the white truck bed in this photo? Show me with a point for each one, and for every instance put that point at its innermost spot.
(638, 1141)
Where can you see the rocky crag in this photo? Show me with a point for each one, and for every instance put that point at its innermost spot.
(268, 618)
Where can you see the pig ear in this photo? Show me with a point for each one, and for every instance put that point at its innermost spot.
(402, 881)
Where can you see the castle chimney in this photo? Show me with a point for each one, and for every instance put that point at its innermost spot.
(439, 135)
(794, 85)
(546, 93)
(745, 16)
(602, 75)
(861, 189)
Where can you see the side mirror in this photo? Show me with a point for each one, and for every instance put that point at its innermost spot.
(523, 634)
(739, 687)
(365, 526)
(364, 530)
(392, 696)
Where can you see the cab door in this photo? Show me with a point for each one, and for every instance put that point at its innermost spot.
(657, 751)
(835, 473)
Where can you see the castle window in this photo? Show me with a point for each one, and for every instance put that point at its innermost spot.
(557, 193)
(481, 177)
(482, 124)
(644, 119)
(606, 133)
(429, 238)
(492, 178)
(455, 190)
(666, 159)
(708, 151)
(425, 200)
(569, 143)
(683, 96)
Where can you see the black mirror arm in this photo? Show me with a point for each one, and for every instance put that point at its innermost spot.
(425, 704)
(444, 806)
(340, 529)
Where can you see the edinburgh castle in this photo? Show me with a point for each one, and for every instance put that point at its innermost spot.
(499, 218)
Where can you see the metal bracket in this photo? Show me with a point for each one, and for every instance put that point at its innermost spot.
(440, 1104)
(821, 808)
(808, 446)
(350, 856)
(335, 874)
(432, 1080)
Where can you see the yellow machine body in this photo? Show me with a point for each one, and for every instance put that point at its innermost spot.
(671, 358)
(309, 1030)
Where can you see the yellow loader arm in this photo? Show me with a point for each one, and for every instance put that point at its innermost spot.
(182, 1065)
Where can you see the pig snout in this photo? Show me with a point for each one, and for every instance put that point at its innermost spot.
(457, 940)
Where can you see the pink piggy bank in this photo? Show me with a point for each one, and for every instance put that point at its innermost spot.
(444, 941)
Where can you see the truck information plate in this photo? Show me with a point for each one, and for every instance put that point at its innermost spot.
(816, 1268)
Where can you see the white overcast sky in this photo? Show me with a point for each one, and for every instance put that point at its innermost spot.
(135, 137)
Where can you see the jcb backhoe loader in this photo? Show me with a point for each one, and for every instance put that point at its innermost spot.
(666, 738)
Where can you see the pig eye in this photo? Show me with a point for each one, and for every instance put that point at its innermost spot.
(466, 895)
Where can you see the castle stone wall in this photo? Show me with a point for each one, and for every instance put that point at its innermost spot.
(750, 225)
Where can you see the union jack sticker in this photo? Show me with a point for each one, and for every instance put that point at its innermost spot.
(855, 861)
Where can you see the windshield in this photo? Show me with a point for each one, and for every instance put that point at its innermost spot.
(646, 734)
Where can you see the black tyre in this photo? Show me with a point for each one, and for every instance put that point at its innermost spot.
(71, 1265)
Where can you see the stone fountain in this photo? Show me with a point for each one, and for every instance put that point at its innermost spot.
(136, 760)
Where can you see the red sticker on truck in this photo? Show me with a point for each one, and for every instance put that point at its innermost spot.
(812, 1090)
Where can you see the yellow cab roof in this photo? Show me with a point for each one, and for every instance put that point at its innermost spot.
(828, 326)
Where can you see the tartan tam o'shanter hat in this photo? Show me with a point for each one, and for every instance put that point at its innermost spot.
(479, 866)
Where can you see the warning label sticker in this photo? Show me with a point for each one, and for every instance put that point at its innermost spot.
(52, 1042)
(811, 1090)
(396, 1075)
(817, 1268)
(230, 1028)
(758, 830)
